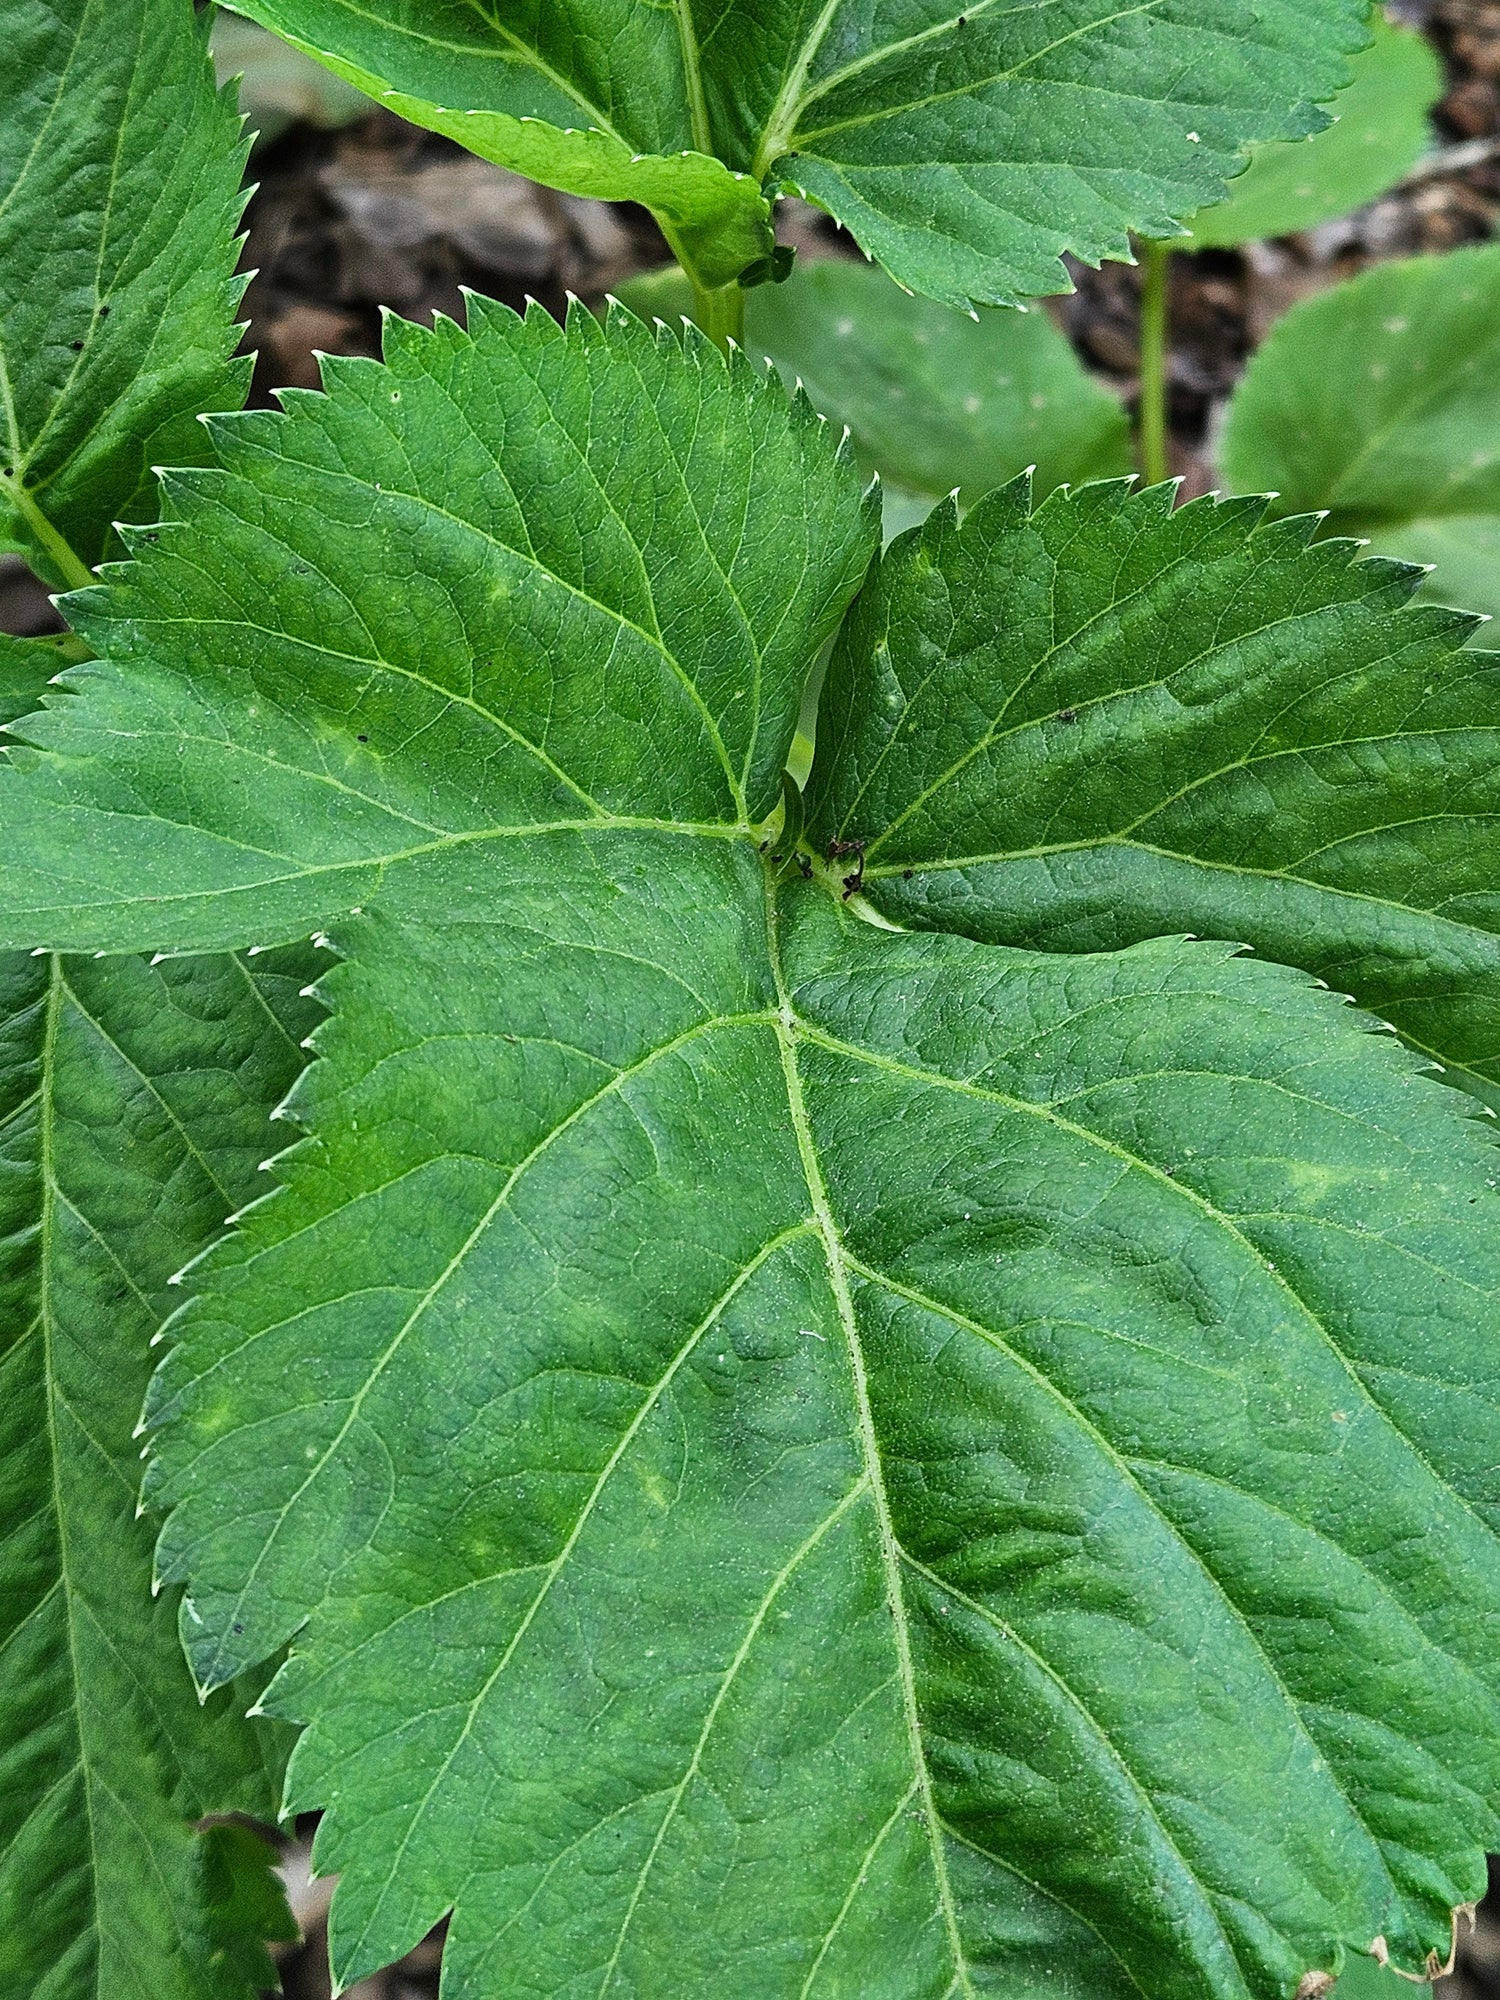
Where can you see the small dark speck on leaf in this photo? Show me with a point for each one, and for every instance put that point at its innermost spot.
(104, 312)
(237, 1628)
(363, 739)
(907, 873)
(1169, 1172)
(1067, 715)
(76, 345)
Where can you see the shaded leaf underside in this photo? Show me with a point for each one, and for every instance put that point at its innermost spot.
(133, 1116)
(964, 1469)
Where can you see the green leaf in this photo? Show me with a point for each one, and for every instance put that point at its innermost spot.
(933, 400)
(600, 486)
(1382, 129)
(966, 150)
(1380, 401)
(133, 1105)
(603, 98)
(795, 1459)
(121, 169)
(26, 667)
(1101, 720)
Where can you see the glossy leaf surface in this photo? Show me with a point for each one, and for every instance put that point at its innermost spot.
(793, 1457)
(1381, 128)
(120, 169)
(933, 399)
(965, 150)
(133, 1114)
(1400, 443)
(1104, 720)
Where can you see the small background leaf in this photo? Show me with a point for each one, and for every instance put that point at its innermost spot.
(1380, 401)
(1381, 128)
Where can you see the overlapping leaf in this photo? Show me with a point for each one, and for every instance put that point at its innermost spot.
(119, 190)
(1380, 403)
(132, 1119)
(797, 1459)
(1103, 720)
(966, 149)
(1381, 127)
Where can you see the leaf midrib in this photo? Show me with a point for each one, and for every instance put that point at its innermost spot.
(787, 1029)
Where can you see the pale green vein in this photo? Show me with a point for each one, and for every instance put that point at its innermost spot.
(742, 1653)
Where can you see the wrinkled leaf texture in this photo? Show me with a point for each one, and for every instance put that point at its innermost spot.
(795, 1458)
(1078, 726)
(132, 1118)
(119, 193)
(966, 148)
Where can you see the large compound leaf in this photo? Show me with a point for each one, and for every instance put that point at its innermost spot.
(1380, 402)
(1101, 720)
(1381, 127)
(133, 1108)
(120, 169)
(967, 150)
(796, 1459)
(933, 400)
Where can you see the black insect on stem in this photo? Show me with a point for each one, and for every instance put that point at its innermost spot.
(854, 881)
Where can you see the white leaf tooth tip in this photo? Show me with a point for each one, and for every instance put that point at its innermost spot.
(40, 951)
(266, 1165)
(140, 1428)
(156, 1586)
(322, 941)
(307, 992)
(101, 954)
(308, 1042)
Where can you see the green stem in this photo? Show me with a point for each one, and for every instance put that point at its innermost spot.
(1156, 263)
(70, 567)
(720, 313)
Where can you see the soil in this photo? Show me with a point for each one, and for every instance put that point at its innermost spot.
(347, 223)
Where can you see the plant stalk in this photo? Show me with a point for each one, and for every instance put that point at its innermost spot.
(1151, 445)
(720, 313)
(76, 573)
